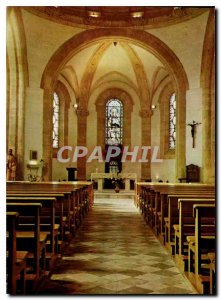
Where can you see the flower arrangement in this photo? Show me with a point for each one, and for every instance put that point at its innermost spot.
(117, 183)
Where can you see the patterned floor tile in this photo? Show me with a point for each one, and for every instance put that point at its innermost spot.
(165, 273)
(116, 286)
(97, 291)
(134, 291)
(174, 290)
(116, 277)
(115, 252)
(146, 269)
(80, 277)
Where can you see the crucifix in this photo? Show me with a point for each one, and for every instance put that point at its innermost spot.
(193, 130)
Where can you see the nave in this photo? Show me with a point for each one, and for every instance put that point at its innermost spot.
(138, 80)
(115, 252)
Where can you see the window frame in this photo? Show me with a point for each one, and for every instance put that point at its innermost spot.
(64, 106)
(56, 117)
(164, 103)
(109, 119)
(172, 123)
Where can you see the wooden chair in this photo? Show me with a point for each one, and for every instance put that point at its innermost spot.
(192, 174)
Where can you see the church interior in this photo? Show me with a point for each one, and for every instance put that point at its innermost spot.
(110, 137)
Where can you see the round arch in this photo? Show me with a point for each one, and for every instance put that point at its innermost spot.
(144, 39)
(141, 38)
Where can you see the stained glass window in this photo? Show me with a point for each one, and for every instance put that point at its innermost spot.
(114, 122)
(172, 122)
(55, 120)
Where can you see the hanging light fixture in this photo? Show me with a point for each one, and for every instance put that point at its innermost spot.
(94, 14)
(137, 14)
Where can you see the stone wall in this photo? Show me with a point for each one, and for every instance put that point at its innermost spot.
(86, 74)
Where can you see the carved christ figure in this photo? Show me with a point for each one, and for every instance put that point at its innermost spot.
(193, 126)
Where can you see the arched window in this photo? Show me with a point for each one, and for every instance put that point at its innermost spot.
(172, 122)
(114, 122)
(55, 133)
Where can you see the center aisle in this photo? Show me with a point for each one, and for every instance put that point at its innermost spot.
(114, 252)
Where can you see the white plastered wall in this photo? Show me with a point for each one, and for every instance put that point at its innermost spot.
(186, 41)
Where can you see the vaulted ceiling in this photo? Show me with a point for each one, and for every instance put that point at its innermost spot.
(112, 62)
(116, 16)
(115, 60)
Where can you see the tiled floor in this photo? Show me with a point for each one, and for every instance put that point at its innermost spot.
(115, 252)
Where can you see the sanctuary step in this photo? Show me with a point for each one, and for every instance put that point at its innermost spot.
(111, 194)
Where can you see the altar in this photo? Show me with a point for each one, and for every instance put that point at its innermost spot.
(125, 176)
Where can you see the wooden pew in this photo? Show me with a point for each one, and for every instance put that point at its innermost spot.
(203, 242)
(212, 264)
(47, 218)
(186, 225)
(161, 200)
(33, 241)
(60, 218)
(173, 214)
(68, 209)
(151, 185)
(156, 202)
(76, 211)
(16, 260)
(79, 196)
(54, 184)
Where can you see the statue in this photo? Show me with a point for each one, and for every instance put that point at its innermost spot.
(11, 166)
(193, 126)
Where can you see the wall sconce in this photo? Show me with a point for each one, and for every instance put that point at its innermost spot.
(76, 107)
(76, 104)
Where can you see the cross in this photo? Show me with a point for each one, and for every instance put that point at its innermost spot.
(193, 131)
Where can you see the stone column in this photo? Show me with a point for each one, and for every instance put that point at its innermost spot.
(213, 138)
(100, 108)
(82, 141)
(47, 134)
(206, 138)
(146, 141)
(181, 135)
(20, 132)
(127, 125)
